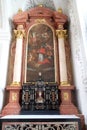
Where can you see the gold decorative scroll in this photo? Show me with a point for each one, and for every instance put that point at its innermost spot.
(40, 20)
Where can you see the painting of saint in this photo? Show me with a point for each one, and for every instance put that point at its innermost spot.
(40, 54)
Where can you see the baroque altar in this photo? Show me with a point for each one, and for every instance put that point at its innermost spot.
(39, 73)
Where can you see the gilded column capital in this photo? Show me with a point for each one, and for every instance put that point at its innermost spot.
(61, 33)
(20, 32)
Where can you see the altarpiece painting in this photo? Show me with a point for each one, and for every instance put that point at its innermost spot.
(40, 54)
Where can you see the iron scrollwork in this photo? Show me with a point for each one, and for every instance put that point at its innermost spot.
(42, 126)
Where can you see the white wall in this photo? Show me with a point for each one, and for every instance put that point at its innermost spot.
(4, 52)
(78, 54)
(4, 48)
(82, 11)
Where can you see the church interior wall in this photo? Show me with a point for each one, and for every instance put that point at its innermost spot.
(78, 55)
(77, 42)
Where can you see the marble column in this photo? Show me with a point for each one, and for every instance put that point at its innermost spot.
(19, 34)
(62, 56)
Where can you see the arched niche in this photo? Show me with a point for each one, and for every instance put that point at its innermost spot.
(41, 51)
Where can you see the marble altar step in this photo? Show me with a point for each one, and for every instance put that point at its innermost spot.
(40, 122)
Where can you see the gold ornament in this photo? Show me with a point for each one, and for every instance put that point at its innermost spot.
(61, 33)
(19, 33)
(64, 83)
(40, 20)
(66, 96)
(60, 27)
(20, 10)
(14, 96)
(40, 5)
(14, 84)
(60, 10)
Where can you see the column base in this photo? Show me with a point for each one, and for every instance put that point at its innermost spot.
(68, 109)
(11, 109)
(67, 106)
(13, 106)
